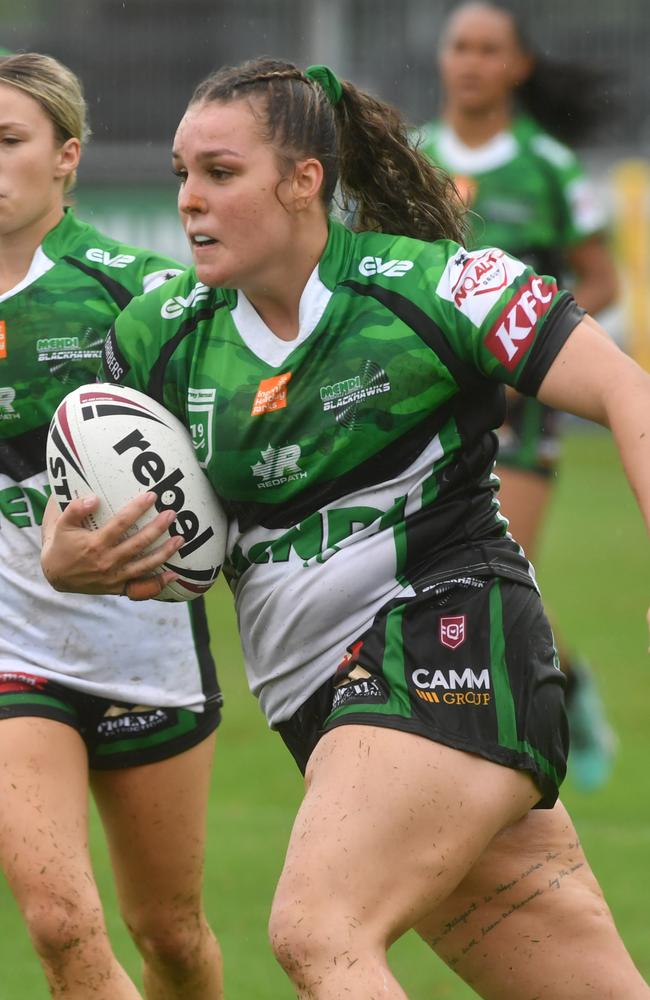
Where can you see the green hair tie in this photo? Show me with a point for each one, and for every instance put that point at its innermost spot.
(328, 80)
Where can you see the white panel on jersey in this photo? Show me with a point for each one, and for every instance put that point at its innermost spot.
(462, 159)
(262, 341)
(342, 588)
(39, 265)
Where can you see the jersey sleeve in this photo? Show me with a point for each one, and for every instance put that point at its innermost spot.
(582, 209)
(501, 318)
(145, 336)
(129, 348)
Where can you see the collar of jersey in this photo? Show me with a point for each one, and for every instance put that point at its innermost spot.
(40, 265)
(61, 239)
(45, 255)
(462, 159)
(313, 302)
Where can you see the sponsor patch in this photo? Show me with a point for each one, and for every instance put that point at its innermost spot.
(362, 692)
(120, 723)
(271, 394)
(452, 631)
(200, 408)
(3, 339)
(475, 281)
(176, 306)
(466, 187)
(7, 397)
(344, 398)
(514, 331)
(278, 466)
(18, 683)
(370, 266)
(114, 363)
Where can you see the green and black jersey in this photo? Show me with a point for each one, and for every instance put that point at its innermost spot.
(52, 327)
(358, 457)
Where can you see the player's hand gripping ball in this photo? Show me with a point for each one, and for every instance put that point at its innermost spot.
(115, 443)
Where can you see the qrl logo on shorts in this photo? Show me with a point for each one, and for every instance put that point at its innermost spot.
(452, 631)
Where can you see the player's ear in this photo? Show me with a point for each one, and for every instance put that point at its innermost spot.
(306, 182)
(67, 159)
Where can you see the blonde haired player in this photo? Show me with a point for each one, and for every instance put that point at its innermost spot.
(93, 690)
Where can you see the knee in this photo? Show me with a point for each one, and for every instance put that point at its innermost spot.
(172, 941)
(60, 931)
(307, 939)
(296, 941)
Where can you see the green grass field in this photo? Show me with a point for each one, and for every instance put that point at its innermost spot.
(593, 572)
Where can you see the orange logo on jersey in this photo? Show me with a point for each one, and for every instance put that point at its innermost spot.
(466, 187)
(271, 394)
(3, 339)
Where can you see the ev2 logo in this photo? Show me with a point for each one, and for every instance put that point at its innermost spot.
(176, 306)
(99, 256)
(391, 268)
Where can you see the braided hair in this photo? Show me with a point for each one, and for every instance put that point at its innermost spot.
(362, 143)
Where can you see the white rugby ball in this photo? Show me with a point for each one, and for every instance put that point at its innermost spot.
(115, 442)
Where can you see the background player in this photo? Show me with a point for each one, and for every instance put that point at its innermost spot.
(529, 195)
(129, 692)
(358, 381)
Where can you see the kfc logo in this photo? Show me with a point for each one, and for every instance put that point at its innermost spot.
(513, 333)
(452, 631)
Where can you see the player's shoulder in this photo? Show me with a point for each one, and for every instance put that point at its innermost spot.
(81, 245)
(183, 300)
(400, 260)
(542, 144)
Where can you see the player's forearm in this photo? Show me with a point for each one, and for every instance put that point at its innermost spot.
(628, 415)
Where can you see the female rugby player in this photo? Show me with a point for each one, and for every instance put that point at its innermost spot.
(391, 627)
(95, 690)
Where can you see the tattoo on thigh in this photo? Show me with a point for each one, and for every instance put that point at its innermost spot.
(479, 933)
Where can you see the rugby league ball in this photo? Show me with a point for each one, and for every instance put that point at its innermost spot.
(115, 442)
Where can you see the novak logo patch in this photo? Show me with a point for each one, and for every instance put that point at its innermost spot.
(513, 332)
(475, 281)
(278, 466)
(452, 631)
(3, 339)
(271, 394)
(390, 268)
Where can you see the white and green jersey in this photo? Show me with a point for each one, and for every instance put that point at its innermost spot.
(52, 327)
(358, 457)
(527, 191)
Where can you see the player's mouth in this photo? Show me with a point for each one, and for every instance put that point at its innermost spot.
(200, 240)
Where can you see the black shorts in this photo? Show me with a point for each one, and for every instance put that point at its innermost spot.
(529, 438)
(116, 734)
(469, 663)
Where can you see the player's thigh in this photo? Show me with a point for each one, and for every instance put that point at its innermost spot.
(390, 823)
(154, 816)
(43, 819)
(529, 919)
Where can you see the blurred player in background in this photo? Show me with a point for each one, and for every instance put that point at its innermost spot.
(505, 110)
(88, 685)
(391, 627)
